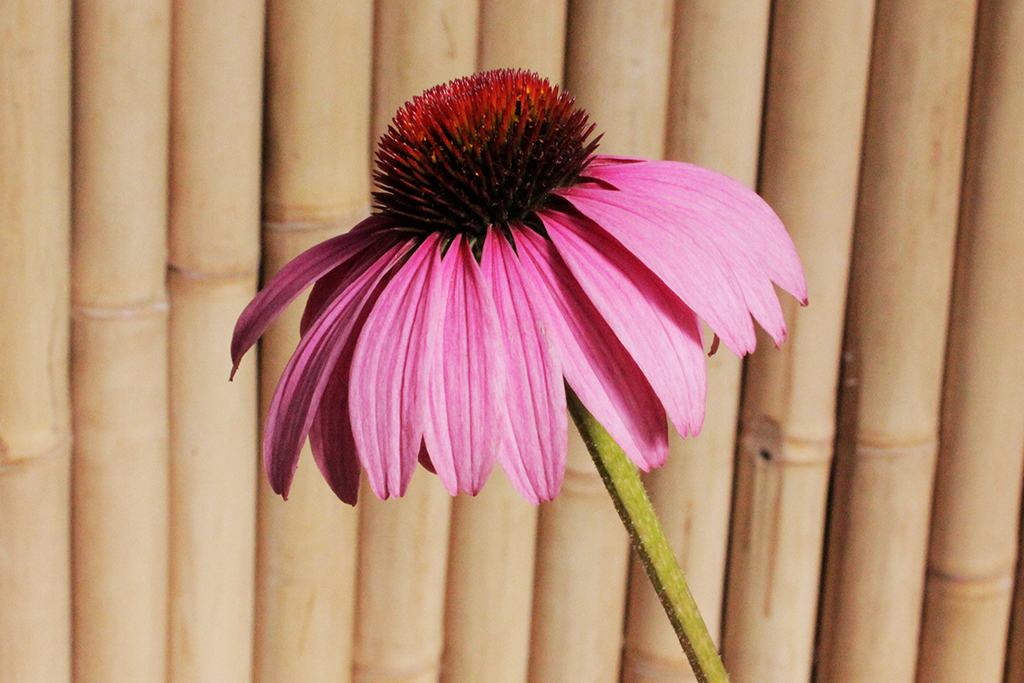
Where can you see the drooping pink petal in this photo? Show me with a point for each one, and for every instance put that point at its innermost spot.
(467, 379)
(307, 372)
(534, 458)
(744, 220)
(335, 455)
(711, 239)
(325, 288)
(388, 388)
(330, 437)
(291, 280)
(661, 333)
(595, 364)
(693, 268)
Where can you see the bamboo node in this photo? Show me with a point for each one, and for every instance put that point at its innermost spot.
(16, 453)
(762, 439)
(136, 310)
(997, 580)
(201, 276)
(338, 223)
(908, 450)
(583, 482)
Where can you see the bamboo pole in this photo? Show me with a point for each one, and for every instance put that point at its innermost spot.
(895, 338)
(525, 34)
(119, 364)
(35, 432)
(579, 589)
(973, 547)
(213, 249)
(400, 595)
(617, 67)
(618, 56)
(817, 87)
(403, 544)
(315, 186)
(490, 584)
(492, 541)
(714, 119)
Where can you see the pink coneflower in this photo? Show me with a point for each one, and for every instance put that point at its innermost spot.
(505, 260)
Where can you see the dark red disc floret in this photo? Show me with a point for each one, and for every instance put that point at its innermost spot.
(478, 151)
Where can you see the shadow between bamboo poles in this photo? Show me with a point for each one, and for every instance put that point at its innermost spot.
(119, 365)
(816, 91)
(714, 119)
(403, 543)
(974, 528)
(895, 338)
(216, 88)
(617, 61)
(493, 536)
(1014, 670)
(316, 185)
(35, 432)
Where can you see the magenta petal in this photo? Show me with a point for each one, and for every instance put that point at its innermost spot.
(742, 218)
(388, 392)
(467, 379)
(326, 287)
(711, 239)
(661, 333)
(595, 364)
(534, 460)
(694, 268)
(291, 280)
(307, 372)
(330, 437)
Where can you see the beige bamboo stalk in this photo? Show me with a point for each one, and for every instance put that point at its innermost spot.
(579, 590)
(217, 57)
(817, 86)
(315, 186)
(403, 544)
(119, 365)
(492, 540)
(525, 34)
(617, 65)
(490, 586)
(35, 430)
(618, 56)
(714, 119)
(973, 547)
(895, 338)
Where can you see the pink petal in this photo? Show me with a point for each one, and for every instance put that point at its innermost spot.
(534, 458)
(388, 391)
(307, 372)
(594, 362)
(661, 333)
(743, 218)
(291, 280)
(710, 238)
(330, 437)
(694, 269)
(467, 379)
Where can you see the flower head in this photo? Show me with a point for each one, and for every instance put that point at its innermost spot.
(503, 261)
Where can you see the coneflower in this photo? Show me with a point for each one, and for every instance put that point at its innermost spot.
(505, 260)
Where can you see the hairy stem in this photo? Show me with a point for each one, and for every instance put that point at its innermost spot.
(622, 480)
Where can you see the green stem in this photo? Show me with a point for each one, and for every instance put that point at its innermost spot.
(623, 483)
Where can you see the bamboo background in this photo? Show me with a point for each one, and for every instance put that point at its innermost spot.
(849, 513)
